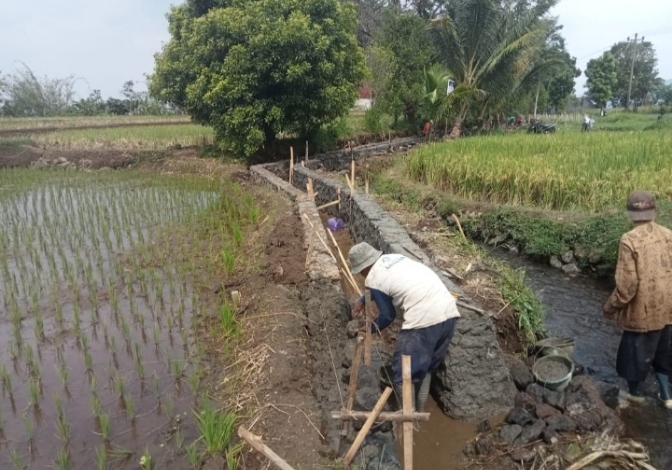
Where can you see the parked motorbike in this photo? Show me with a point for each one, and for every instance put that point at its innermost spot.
(538, 127)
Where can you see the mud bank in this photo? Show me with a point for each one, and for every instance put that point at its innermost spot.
(327, 311)
(474, 382)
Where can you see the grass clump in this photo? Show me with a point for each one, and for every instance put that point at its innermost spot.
(215, 428)
(526, 304)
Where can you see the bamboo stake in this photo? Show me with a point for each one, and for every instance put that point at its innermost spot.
(306, 152)
(367, 426)
(366, 185)
(408, 410)
(459, 225)
(329, 204)
(352, 173)
(367, 337)
(263, 449)
(393, 416)
(320, 237)
(291, 165)
(311, 245)
(354, 379)
(354, 287)
(345, 264)
(309, 188)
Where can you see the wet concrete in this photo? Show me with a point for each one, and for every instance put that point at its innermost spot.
(574, 309)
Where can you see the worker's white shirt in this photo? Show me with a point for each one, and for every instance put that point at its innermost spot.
(415, 289)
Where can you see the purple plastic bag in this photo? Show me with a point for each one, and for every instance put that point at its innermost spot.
(335, 224)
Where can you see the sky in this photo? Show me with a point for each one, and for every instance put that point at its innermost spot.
(107, 43)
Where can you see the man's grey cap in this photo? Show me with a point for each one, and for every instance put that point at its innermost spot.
(362, 256)
(641, 206)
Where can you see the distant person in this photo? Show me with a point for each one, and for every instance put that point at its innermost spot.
(641, 304)
(429, 311)
(427, 129)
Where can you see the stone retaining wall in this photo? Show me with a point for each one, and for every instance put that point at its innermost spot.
(327, 313)
(475, 381)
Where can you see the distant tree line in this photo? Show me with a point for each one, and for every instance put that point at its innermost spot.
(609, 76)
(24, 94)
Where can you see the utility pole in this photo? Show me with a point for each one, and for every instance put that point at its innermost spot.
(632, 69)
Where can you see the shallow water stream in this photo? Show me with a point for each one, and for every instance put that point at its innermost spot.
(574, 309)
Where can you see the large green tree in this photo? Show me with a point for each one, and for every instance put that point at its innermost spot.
(493, 48)
(602, 78)
(645, 71)
(254, 68)
(405, 37)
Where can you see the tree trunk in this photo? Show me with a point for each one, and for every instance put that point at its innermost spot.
(536, 102)
(456, 131)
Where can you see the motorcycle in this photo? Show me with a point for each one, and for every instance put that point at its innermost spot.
(538, 127)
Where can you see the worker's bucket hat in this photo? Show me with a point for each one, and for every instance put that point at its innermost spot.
(362, 256)
(641, 206)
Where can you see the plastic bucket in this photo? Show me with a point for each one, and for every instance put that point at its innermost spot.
(557, 382)
(557, 346)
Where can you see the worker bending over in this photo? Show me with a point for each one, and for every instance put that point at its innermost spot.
(429, 312)
(641, 304)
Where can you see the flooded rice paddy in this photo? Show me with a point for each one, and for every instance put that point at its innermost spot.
(96, 351)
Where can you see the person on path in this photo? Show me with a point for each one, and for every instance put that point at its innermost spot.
(429, 312)
(641, 303)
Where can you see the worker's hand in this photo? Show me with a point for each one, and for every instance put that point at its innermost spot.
(609, 311)
(358, 308)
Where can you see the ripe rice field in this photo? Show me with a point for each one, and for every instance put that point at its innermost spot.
(128, 138)
(99, 368)
(61, 122)
(565, 171)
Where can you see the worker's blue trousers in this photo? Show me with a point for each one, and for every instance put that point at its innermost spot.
(427, 348)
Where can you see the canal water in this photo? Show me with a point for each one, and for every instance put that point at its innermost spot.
(574, 309)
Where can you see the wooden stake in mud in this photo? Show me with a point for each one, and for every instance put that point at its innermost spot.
(369, 319)
(263, 449)
(319, 237)
(354, 378)
(306, 152)
(408, 410)
(389, 416)
(291, 164)
(352, 175)
(310, 190)
(311, 246)
(367, 426)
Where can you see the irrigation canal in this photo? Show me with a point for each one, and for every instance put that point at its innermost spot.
(574, 309)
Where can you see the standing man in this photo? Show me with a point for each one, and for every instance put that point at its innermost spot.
(641, 304)
(429, 311)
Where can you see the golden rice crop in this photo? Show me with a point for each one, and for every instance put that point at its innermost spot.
(565, 171)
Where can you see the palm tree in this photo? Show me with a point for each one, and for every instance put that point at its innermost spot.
(437, 105)
(492, 47)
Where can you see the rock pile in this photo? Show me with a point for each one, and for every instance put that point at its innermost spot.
(540, 414)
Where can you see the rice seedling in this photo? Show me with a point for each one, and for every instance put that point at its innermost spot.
(119, 386)
(137, 358)
(6, 379)
(62, 425)
(101, 458)
(177, 368)
(229, 260)
(15, 459)
(215, 428)
(62, 461)
(193, 456)
(146, 460)
(34, 392)
(104, 426)
(130, 408)
(229, 324)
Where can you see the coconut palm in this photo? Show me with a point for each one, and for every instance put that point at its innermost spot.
(437, 104)
(492, 47)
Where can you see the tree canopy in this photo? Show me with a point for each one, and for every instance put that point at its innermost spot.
(602, 78)
(645, 71)
(254, 68)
